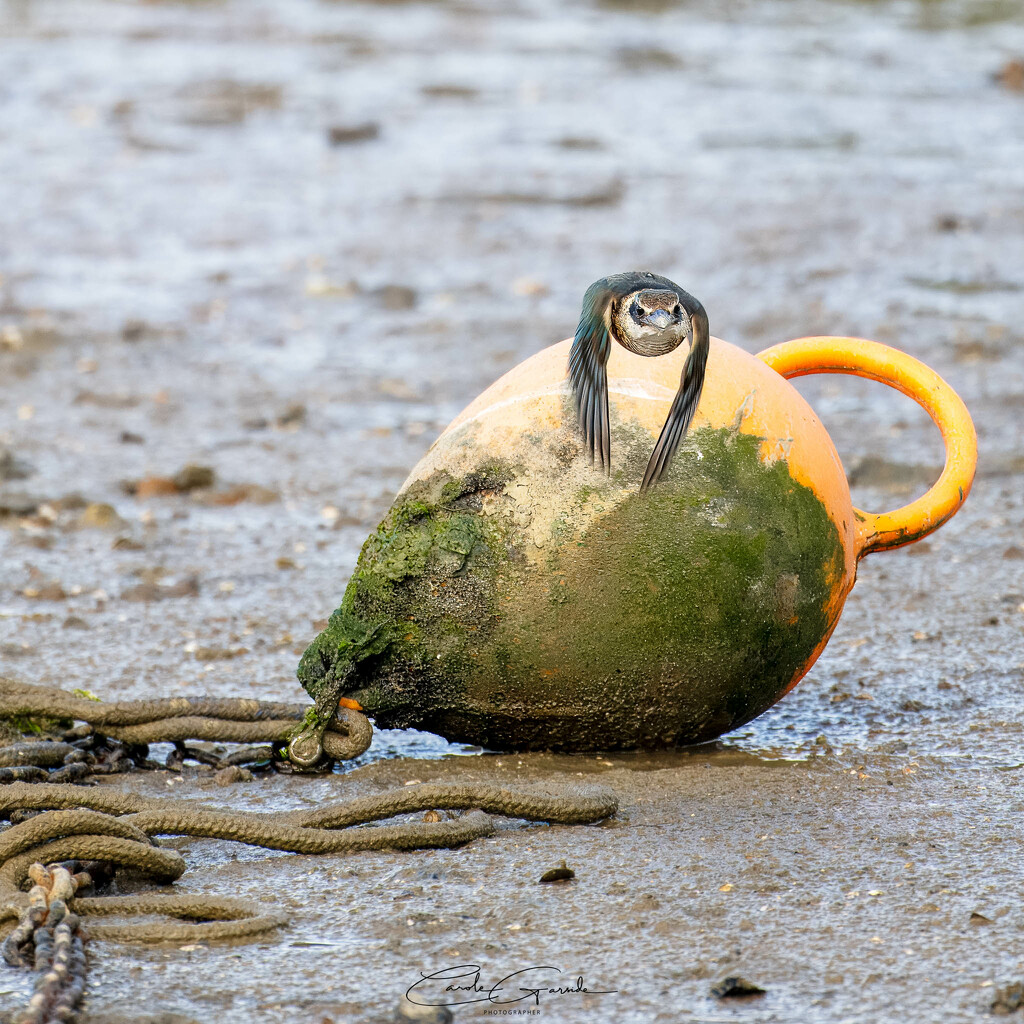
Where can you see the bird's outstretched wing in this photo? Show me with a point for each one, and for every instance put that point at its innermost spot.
(684, 405)
(588, 376)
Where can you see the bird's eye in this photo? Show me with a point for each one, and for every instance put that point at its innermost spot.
(677, 310)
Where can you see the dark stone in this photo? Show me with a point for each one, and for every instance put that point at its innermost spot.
(346, 134)
(736, 988)
(562, 873)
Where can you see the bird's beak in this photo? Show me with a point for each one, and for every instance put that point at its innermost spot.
(659, 318)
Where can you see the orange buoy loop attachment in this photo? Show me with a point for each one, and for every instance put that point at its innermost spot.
(863, 358)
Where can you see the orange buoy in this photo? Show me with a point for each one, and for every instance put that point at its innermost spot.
(517, 597)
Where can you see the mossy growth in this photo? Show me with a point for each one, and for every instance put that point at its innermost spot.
(434, 534)
(646, 620)
(34, 726)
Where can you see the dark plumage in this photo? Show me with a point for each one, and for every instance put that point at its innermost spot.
(648, 315)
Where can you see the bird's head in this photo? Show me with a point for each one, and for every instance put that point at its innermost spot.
(650, 321)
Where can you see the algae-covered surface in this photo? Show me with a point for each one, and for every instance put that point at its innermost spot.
(290, 241)
(662, 619)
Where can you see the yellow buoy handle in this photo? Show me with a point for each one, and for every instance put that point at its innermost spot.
(890, 366)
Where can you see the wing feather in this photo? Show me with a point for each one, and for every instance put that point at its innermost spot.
(588, 376)
(684, 405)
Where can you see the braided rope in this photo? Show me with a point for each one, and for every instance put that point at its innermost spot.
(59, 822)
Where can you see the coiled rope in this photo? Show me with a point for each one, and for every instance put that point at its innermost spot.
(83, 833)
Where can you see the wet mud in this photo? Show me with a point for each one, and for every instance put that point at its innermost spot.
(288, 242)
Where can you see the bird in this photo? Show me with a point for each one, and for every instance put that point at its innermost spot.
(649, 315)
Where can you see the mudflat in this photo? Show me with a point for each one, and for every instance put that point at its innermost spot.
(284, 244)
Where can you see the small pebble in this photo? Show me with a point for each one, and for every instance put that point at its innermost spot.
(99, 515)
(190, 477)
(48, 592)
(736, 988)
(345, 134)
(408, 1011)
(562, 873)
(293, 416)
(133, 330)
(395, 297)
(232, 774)
(152, 487)
(126, 544)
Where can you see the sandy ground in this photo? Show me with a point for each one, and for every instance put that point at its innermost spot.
(289, 241)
